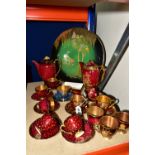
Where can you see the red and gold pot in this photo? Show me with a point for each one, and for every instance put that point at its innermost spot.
(91, 73)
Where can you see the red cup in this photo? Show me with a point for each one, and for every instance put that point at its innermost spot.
(44, 105)
(94, 113)
(52, 82)
(73, 123)
(41, 90)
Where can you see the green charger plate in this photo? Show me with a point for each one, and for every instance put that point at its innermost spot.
(77, 45)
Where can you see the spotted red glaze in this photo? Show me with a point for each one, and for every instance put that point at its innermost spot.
(73, 123)
(48, 122)
(34, 130)
(49, 133)
(45, 110)
(91, 93)
(44, 105)
(91, 77)
(87, 135)
(44, 127)
(90, 74)
(45, 71)
(93, 120)
(42, 92)
(69, 137)
(39, 97)
(52, 85)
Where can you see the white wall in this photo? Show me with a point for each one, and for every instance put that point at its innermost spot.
(112, 20)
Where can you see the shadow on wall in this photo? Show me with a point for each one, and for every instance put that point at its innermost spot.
(112, 7)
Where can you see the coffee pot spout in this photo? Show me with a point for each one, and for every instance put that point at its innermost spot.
(37, 65)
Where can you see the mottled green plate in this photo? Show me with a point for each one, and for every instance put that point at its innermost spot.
(77, 45)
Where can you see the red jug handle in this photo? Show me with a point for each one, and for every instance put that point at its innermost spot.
(56, 60)
(103, 69)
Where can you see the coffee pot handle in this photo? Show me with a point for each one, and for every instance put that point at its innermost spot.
(103, 69)
(59, 64)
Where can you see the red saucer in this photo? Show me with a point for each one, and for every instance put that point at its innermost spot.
(37, 97)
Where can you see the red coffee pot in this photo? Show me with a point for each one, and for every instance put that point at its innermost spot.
(46, 68)
(91, 73)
